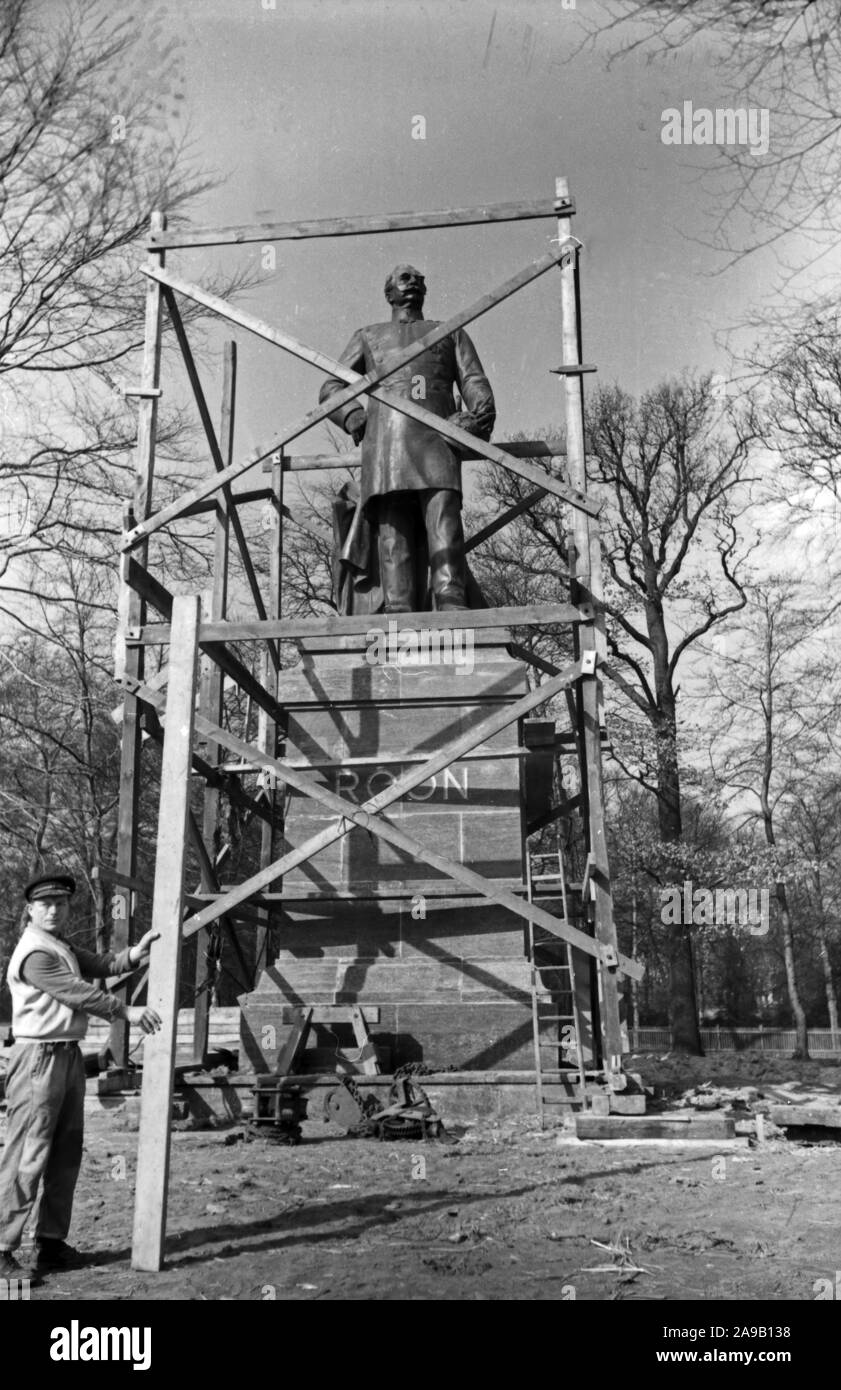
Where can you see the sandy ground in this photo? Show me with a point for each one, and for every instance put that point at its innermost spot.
(501, 1214)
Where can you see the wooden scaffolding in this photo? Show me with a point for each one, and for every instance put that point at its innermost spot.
(201, 642)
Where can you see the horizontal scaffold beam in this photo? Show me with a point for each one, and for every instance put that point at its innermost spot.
(368, 817)
(239, 499)
(358, 386)
(504, 518)
(225, 782)
(428, 888)
(135, 885)
(360, 226)
(360, 624)
(145, 584)
(520, 449)
(352, 458)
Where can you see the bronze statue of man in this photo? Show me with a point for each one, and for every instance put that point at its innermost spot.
(410, 486)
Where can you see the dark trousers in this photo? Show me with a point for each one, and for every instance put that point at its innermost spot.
(440, 511)
(45, 1099)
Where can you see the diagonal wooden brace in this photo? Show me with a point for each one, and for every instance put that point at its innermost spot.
(418, 412)
(357, 387)
(490, 726)
(218, 461)
(368, 818)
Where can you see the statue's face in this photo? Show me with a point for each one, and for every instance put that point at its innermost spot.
(405, 286)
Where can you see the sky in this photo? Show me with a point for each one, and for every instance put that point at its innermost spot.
(310, 108)
(306, 108)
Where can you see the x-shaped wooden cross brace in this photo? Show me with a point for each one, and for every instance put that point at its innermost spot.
(369, 817)
(360, 385)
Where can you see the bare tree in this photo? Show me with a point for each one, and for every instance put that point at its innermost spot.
(804, 414)
(673, 474)
(776, 703)
(89, 146)
(308, 550)
(781, 55)
(58, 790)
(815, 830)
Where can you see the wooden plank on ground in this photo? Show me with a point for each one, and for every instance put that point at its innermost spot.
(654, 1127)
(803, 1116)
(151, 1188)
(633, 1104)
(368, 225)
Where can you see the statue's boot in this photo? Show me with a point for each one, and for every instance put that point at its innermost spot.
(397, 562)
(445, 541)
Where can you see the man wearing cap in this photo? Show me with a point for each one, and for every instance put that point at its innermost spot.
(45, 1079)
(410, 486)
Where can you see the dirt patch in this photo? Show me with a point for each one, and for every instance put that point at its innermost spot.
(510, 1215)
(676, 1073)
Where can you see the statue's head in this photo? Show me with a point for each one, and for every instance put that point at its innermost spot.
(405, 285)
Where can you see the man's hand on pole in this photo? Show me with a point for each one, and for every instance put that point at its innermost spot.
(141, 1016)
(139, 953)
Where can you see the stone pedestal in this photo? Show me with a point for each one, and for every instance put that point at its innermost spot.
(361, 923)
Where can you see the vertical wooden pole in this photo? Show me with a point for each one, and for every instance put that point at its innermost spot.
(588, 576)
(268, 728)
(583, 967)
(167, 914)
(131, 613)
(212, 689)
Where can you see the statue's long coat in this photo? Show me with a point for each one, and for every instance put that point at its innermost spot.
(400, 454)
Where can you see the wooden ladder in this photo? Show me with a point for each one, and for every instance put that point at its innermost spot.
(553, 996)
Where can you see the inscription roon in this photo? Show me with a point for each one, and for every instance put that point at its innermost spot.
(452, 784)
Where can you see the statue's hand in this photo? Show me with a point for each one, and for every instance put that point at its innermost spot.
(355, 425)
(465, 421)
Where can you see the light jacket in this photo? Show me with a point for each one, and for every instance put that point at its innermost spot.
(36, 1016)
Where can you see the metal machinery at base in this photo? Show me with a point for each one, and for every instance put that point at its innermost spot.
(281, 1105)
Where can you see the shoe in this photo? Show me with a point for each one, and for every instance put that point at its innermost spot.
(57, 1254)
(10, 1269)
